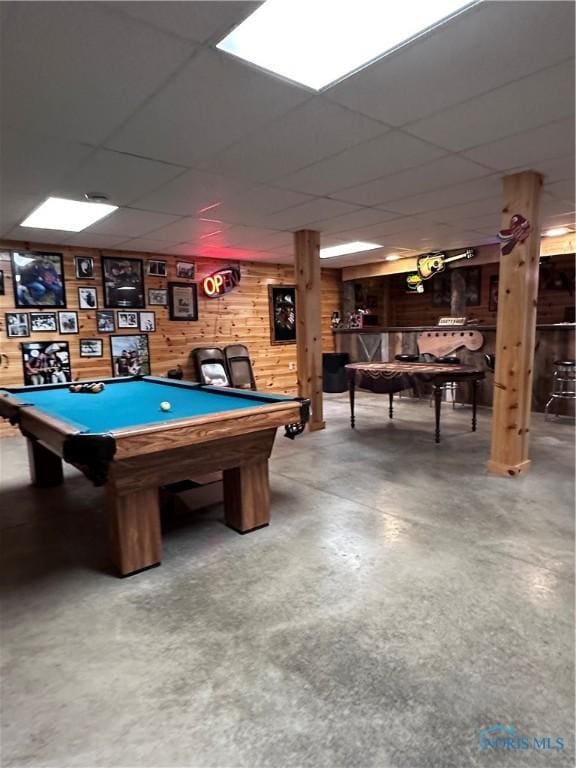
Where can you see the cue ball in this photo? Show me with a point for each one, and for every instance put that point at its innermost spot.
(165, 406)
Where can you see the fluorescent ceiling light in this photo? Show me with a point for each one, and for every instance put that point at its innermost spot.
(391, 257)
(316, 42)
(68, 215)
(341, 250)
(556, 232)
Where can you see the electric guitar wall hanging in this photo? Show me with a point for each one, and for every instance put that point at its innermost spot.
(430, 264)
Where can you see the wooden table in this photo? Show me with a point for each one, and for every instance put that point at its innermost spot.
(388, 378)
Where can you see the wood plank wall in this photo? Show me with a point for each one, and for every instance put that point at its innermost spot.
(238, 317)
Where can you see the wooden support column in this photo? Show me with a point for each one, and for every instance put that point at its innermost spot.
(309, 329)
(516, 325)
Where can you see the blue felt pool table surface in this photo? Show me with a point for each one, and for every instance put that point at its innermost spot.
(136, 403)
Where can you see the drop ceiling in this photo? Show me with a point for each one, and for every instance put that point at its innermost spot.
(131, 99)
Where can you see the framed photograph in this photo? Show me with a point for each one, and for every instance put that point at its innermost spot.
(91, 348)
(123, 282)
(84, 266)
(183, 301)
(105, 322)
(40, 322)
(147, 321)
(2, 282)
(46, 362)
(38, 279)
(282, 307)
(17, 325)
(157, 297)
(127, 319)
(157, 268)
(87, 298)
(442, 287)
(493, 294)
(186, 270)
(130, 355)
(68, 322)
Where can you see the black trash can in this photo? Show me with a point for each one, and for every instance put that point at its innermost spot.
(333, 371)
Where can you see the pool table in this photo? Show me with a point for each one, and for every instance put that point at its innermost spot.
(121, 439)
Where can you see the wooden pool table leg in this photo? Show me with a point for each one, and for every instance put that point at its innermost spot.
(247, 496)
(45, 466)
(135, 529)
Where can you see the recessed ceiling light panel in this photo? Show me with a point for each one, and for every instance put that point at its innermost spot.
(556, 232)
(342, 250)
(67, 215)
(317, 42)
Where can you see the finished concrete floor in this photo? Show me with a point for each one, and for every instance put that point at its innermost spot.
(400, 602)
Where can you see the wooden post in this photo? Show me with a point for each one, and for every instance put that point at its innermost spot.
(457, 293)
(309, 328)
(516, 324)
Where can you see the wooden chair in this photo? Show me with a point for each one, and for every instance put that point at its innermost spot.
(239, 366)
(210, 364)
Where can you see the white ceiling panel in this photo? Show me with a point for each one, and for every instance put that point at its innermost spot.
(254, 206)
(188, 228)
(523, 105)
(564, 190)
(94, 240)
(197, 21)
(478, 189)
(440, 173)
(383, 156)
(121, 177)
(77, 70)
(146, 245)
(14, 208)
(457, 214)
(208, 105)
(257, 238)
(131, 223)
(527, 150)
(28, 234)
(302, 215)
(308, 133)
(364, 217)
(492, 44)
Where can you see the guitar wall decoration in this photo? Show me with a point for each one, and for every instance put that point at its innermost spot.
(431, 264)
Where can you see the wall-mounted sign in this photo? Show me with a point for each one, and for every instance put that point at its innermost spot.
(517, 232)
(221, 282)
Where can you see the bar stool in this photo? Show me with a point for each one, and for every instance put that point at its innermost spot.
(563, 383)
(407, 358)
(450, 389)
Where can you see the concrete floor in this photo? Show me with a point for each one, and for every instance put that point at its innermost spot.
(400, 602)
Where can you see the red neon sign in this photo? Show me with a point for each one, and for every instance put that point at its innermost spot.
(221, 282)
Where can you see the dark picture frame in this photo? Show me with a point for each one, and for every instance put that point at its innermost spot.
(123, 281)
(2, 289)
(105, 321)
(43, 322)
(147, 321)
(46, 362)
(86, 295)
(87, 347)
(157, 297)
(17, 325)
(441, 285)
(84, 267)
(38, 279)
(493, 286)
(126, 319)
(130, 355)
(186, 270)
(68, 322)
(183, 301)
(157, 268)
(282, 311)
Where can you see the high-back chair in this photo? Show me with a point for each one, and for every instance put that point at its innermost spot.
(239, 367)
(210, 365)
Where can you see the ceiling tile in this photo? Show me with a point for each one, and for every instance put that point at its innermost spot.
(14, 208)
(527, 150)
(29, 235)
(302, 215)
(363, 217)
(478, 189)
(257, 238)
(385, 155)
(489, 45)
(77, 70)
(190, 229)
(211, 103)
(146, 245)
(95, 240)
(563, 190)
(440, 173)
(130, 223)
(198, 21)
(523, 105)
(254, 206)
(121, 177)
(308, 133)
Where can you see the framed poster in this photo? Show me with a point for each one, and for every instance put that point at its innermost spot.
(130, 355)
(157, 297)
(41, 322)
(282, 307)
(1, 282)
(38, 279)
(84, 267)
(123, 283)
(183, 301)
(493, 294)
(186, 270)
(127, 319)
(68, 322)
(105, 321)
(157, 268)
(442, 287)
(147, 321)
(46, 362)
(17, 325)
(87, 298)
(91, 348)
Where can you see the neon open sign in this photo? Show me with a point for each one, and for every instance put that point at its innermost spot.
(221, 282)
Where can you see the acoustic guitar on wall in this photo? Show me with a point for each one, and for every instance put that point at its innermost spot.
(430, 265)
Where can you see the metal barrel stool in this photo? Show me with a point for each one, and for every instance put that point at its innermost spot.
(563, 383)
